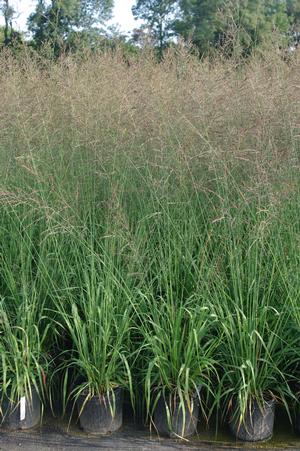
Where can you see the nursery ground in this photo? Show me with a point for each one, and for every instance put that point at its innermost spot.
(55, 435)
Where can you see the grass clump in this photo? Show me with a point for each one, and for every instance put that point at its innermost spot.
(96, 318)
(25, 337)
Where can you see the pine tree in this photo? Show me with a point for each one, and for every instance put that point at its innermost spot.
(241, 23)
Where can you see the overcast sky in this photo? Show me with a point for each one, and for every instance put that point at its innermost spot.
(122, 14)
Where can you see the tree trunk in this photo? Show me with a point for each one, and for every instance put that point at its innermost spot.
(6, 18)
(161, 40)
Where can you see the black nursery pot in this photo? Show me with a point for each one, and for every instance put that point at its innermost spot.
(24, 414)
(258, 422)
(177, 426)
(296, 416)
(95, 415)
(297, 421)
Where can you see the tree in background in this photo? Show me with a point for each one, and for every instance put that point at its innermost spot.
(254, 22)
(8, 13)
(242, 24)
(94, 39)
(56, 22)
(231, 25)
(293, 10)
(142, 37)
(158, 16)
(199, 22)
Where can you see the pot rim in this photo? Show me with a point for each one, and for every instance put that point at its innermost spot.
(85, 393)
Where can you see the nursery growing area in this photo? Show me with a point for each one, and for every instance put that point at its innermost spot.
(149, 241)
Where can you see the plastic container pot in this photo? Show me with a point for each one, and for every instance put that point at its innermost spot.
(257, 424)
(181, 422)
(24, 414)
(297, 421)
(100, 414)
(296, 416)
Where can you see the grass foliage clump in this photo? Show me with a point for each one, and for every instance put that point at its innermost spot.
(149, 227)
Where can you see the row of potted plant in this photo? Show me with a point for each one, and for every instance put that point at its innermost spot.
(194, 323)
(192, 353)
(174, 401)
